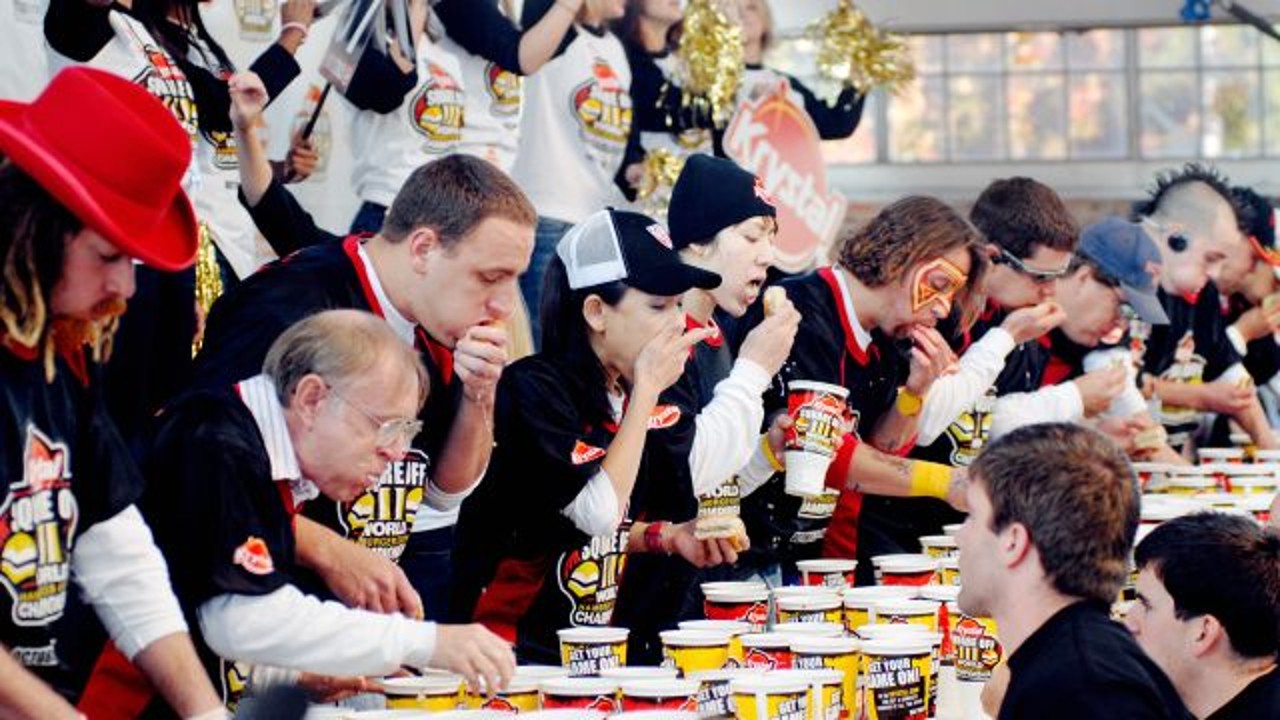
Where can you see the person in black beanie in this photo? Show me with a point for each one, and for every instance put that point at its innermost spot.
(721, 221)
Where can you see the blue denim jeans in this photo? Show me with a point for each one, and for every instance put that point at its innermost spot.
(368, 218)
(546, 237)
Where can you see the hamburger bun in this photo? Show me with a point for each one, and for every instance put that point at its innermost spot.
(773, 298)
(722, 527)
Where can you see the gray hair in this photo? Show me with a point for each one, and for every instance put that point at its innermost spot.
(338, 345)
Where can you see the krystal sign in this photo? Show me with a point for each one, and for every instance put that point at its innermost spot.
(774, 138)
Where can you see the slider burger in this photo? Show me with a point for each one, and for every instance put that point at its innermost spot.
(722, 527)
(1150, 439)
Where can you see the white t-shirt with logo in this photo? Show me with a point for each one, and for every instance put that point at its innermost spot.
(134, 55)
(246, 28)
(23, 70)
(217, 201)
(574, 129)
(492, 128)
(213, 180)
(426, 126)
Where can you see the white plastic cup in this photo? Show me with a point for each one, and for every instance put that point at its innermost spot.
(817, 410)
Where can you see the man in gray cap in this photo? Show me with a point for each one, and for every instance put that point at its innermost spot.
(1111, 279)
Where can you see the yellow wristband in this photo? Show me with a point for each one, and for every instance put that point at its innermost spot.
(930, 479)
(768, 454)
(908, 403)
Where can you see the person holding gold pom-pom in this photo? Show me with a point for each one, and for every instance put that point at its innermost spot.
(833, 119)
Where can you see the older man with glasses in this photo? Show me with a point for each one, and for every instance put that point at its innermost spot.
(228, 471)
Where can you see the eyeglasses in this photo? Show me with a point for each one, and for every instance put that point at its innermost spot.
(1036, 274)
(393, 433)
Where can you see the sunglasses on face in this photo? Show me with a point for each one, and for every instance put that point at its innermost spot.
(1037, 275)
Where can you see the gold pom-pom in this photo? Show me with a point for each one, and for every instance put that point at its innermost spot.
(661, 169)
(711, 61)
(853, 52)
(208, 279)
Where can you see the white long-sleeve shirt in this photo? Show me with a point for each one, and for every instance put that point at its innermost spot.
(725, 436)
(288, 629)
(951, 395)
(123, 575)
(728, 428)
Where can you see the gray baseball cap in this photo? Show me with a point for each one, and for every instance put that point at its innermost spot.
(1125, 252)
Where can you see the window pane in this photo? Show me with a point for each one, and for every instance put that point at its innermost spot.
(926, 50)
(793, 56)
(1167, 47)
(1170, 112)
(976, 125)
(975, 51)
(1271, 49)
(1096, 49)
(1232, 121)
(859, 148)
(1036, 118)
(915, 122)
(1273, 112)
(1229, 45)
(1035, 51)
(1098, 120)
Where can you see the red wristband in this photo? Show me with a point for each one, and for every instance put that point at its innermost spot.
(653, 538)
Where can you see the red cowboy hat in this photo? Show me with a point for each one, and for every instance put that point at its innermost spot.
(114, 156)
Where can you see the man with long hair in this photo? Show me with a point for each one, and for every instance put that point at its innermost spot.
(78, 203)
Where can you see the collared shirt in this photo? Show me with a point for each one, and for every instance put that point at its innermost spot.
(403, 327)
(260, 396)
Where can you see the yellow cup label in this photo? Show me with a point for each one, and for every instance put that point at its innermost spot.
(855, 618)
(505, 702)
(929, 620)
(846, 663)
(776, 706)
(896, 686)
(433, 703)
(832, 615)
(591, 658)
(831, 706)
(978, 650)
(715, 699)
(694, 659)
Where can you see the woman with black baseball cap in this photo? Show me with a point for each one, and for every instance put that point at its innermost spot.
(542, 541)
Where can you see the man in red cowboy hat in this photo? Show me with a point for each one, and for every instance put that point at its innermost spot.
(78, 203)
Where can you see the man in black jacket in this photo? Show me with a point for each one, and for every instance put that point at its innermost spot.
(1053, 510)
(1208, 612)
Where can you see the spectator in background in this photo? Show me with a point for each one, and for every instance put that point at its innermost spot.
(164, 46)
(1052, 514)
(1053, 510)
(1208, 612)
(577, 118)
